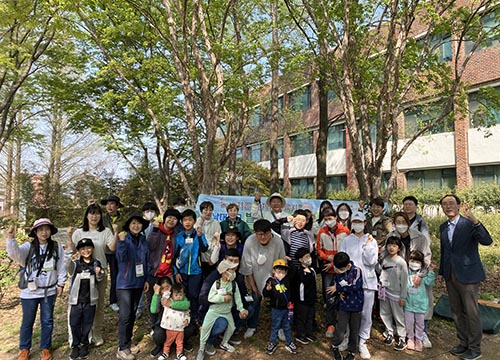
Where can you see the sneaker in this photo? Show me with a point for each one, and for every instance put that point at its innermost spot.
(114, 307)
(311, 338)
(410, 345)
(471, 355)
(302, 339)
(75, 353)
(281, 335)
(401, 345)
(163, 356)
(188, 347)
(329, 331)
(201, 354)
(350, 356)
(427, 342)
(363, 351)
(124, 354)
(270, 348)
(419, 345)
(389, 340)
(249, 333)
(337, 355)
(344, 344)
(84, 351)
(156, 351)
(292, 348)
(210, 349)
(234, 341)
(97, 340)
(23, 354)
(134, 350)
(46, 355)
(228, 347)
(458, 350)
(181, 356)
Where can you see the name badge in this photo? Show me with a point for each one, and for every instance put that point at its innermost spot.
(48, 265)
(412, 290)
(32, 286)
(221, 291)
(343, 283)
(139, 270)
(249, 298)
(374, 232)
(189, 240)
(85, 275)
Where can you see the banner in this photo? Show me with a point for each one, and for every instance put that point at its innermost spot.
(245, 203)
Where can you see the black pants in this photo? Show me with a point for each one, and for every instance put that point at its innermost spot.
(353, 320)
(129, 300)
(113, 273)
(305, 316)
(81, 318)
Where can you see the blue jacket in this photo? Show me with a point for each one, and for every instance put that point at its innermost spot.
(350, 286)
(188, 248)
(461, 255)
(130, 253)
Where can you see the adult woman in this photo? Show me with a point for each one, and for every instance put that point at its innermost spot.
(344, 213)
(233, 220)
(211, 229)
(93, 228)
(45, 275)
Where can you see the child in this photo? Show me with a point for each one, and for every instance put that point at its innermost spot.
(211, 229)
(223, 294)
(85, 272)
(348, 284)
(393, 291)
(174, 322)
(189, 244)
(278, 290)
(304, 296)
(417, 301)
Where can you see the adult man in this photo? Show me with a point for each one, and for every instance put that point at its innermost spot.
(111, 220)
(462, 270)
(259, 253)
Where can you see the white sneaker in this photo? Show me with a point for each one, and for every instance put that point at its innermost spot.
(249, 333)
(344, 344)
(363, 351)
(281, 335)
(228, 347)
(115, 307)
(427, 342)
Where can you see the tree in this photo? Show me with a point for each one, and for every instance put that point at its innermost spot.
(377, 67)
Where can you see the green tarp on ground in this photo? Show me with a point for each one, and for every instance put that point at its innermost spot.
(490, 316)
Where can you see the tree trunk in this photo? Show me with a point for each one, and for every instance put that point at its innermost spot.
(321, 147)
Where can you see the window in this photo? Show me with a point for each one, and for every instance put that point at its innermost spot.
(302, 144)
(331, 95)
(488, 174)
(239, 153)
(431, 179)
(255, 117)
(442, 47)
(336, 137)
(300, 99)
(489, 34)
(280, 148)
(419, 116)
(336, 183)
(255, 153)
(302, 187)
(281, 102)
(484, 109)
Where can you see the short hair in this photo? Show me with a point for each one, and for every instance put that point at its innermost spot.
(149, 206)
(403, 215)
(341, 260)
(377, 201)
(453, 196)
(179, 201)
(164, 280)
(177, 288)
(328, 212)
(206, 204)
(300, 212)
(188, 213)
(410, 198)
(231, 206)
(262, 225)
(233, 253)
(394, 240)
(416, 255)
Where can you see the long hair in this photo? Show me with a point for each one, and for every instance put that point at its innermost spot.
(51, 247)
(93, 209)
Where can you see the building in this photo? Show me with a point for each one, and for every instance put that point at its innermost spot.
(459, 156)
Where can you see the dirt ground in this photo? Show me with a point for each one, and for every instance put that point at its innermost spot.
(442, 335)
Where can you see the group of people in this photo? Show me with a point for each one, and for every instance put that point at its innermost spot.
(196, 275)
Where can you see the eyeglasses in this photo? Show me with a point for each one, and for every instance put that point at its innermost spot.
(262, 233)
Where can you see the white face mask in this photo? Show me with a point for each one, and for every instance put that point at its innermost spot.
(308, 262)
(330, 223)
(343, 215)
(166, 294)
(358, 227)
(402, 228)
(149, 215)
(414, 266)
(231, 276)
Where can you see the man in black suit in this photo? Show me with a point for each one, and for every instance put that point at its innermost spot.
(462, 270)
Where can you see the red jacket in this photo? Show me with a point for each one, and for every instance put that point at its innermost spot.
(327, 243)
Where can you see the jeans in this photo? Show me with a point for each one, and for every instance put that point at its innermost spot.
(218, 328)
(279, 318)
(30, 308)
(253, 317)
(113, 273)
(81, 318)
(193, 283)
(129, 300)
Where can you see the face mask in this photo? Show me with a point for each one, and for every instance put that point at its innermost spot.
(308, 262)
(330, 223)
(149, 215)
(357, 227)
(341, 271)
(343, 215)
(402, 228)
(414, 266)
(166, 294)
(231, 276)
